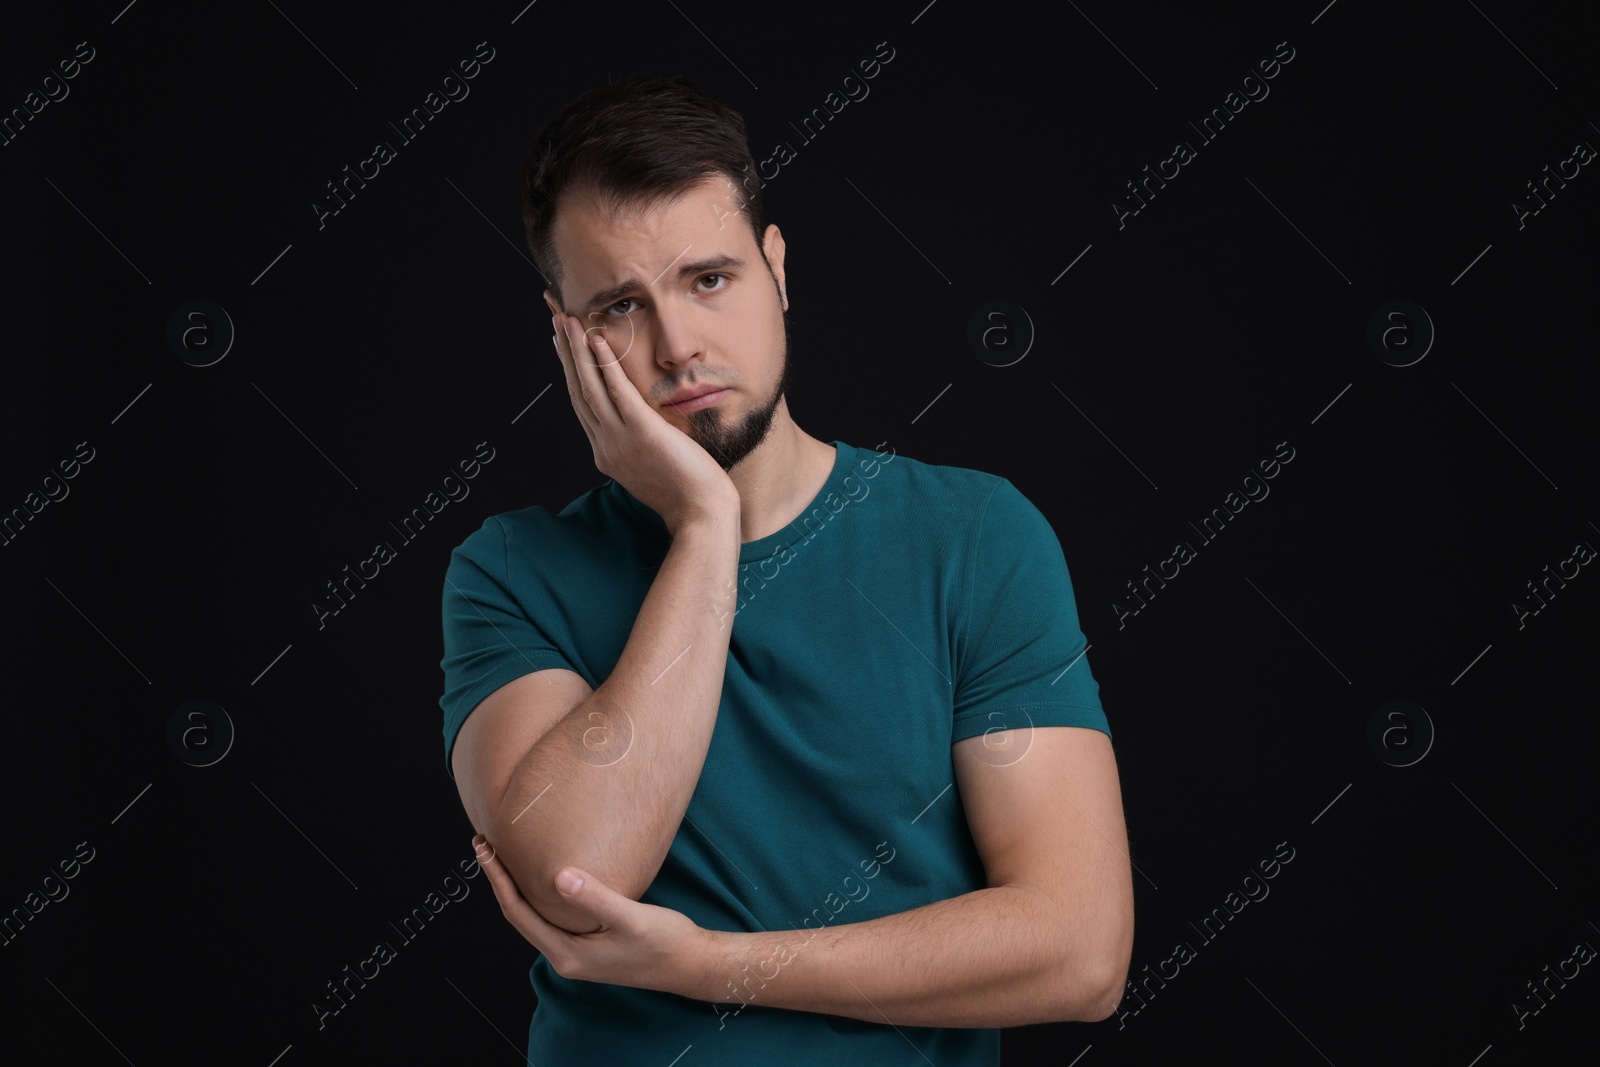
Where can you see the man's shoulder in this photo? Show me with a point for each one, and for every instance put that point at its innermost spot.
(928, 484)
(575, 524)
(943, 498)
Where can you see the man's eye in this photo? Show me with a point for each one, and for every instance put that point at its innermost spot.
(612, 310)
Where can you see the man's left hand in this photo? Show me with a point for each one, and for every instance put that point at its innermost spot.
(639, 945)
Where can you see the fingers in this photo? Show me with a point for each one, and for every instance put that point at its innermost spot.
(625, 397)
(619, 347)
(482, 849)
(587, 382)
(599, 363)
(597, 331)
(576, 387)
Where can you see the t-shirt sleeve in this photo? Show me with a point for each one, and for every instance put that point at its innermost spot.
(489, 638)
(1022, 652)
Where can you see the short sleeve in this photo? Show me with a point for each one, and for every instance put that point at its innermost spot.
(489, 638)
(1021, 653)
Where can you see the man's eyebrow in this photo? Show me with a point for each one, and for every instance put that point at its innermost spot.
(698, 266)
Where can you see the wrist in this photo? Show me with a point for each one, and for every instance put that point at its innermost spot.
(714, 520)
(698, 970)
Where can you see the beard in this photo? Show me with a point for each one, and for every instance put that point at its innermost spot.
(729, 442)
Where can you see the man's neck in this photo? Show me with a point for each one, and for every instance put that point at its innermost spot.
(779, 478)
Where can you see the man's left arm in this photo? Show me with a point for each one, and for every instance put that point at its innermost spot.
(1048, 940)
(1050, 936)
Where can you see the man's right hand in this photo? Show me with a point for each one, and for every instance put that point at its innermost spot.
(665, 468)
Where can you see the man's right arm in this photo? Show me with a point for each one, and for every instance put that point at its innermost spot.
(556, 774)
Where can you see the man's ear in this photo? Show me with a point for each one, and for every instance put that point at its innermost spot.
(551, 302)
(772, 245)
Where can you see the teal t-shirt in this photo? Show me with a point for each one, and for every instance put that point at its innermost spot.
(908, 607)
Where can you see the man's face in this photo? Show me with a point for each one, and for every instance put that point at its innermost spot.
(685, 302)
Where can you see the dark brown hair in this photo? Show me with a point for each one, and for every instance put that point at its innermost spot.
(633, 145)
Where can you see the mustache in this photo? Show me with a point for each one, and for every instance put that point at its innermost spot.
(668, 389)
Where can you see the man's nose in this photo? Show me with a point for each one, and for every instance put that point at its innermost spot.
(677, 339)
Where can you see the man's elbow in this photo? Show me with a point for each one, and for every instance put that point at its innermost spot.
(1091, 999)
(1097, 991)
(533, 866)
(1105, 998)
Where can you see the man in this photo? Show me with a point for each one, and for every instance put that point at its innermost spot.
(777, 745)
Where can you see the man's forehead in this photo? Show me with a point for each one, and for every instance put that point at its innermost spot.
(606, 246)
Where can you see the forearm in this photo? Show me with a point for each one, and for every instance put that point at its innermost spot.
(994, 957)
(606, 787)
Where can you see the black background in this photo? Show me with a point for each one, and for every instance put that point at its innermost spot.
(1179, 349)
